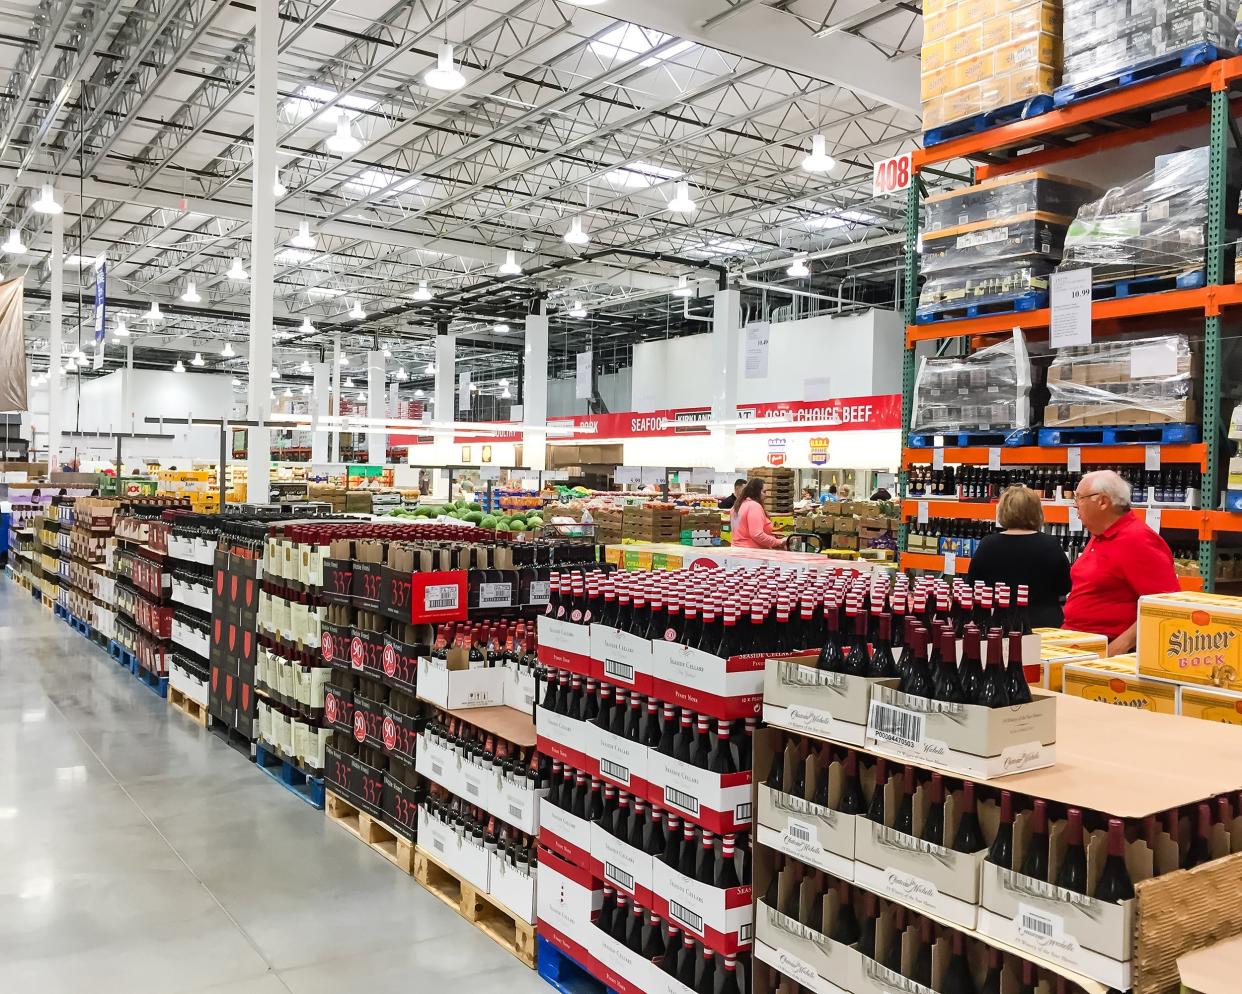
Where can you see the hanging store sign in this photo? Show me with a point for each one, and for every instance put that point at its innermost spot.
(1071, 309)
(891, 175)
(582, 382)
(819, 451)
(101, 299)
(776, 450)
(758, 337)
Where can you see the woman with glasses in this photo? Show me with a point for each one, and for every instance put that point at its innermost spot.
(1022, 555)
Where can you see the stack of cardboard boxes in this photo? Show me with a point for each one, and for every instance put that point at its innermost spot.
(342, 501)
(852, 524)
(608, 525)
(778, 488)
(651, 523)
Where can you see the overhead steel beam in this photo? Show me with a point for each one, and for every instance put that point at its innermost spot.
(29, 68)
(755, 33)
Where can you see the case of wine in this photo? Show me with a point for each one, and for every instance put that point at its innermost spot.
(567, 739)
(717, 917)
(512, 887)
(817, 835)
(621, 969)
(622, 659)
(565, 646)
(456, 851)
(706, 683)
(567, 898)
(566, 835)
(802, 698)
(800, 952)
(720, 802)
(965, 739)
(451, 683)
(618, 863)
(618, 761)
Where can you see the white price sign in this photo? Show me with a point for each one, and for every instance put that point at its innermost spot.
(891, 175)
(1153, 518)
(994, 459)
(1151, 457)
(631, 475)
(950, 563)
(922, 512)
(1073, 459)
(1071, 309)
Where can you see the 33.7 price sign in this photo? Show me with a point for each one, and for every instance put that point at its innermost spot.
(891, 175)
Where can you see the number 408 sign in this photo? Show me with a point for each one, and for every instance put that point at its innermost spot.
(891, 175)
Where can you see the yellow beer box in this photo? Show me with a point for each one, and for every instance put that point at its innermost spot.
(1211, 705)
(1052, 662)
(1067, 638)
(1191, 637)
(1110, 684)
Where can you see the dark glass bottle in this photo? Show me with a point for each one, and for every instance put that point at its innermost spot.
(1115, 883)
(857, 660)
(957, 978)
(875, 808)
(731, 637)
(866, 927)
(1001, 850)
(672, 842)
(970, 671)
(945, 683)
(652, 945)
(1072, 873)
(724, 871)
(822, 770)
(776, 771)
(851, 802)
(969, 835)
(920, 972)
(607, 907)
(1035, 858)
(846, 929)
(933, 822)
(882, 662)
(700, 749)
(830, 658)
(918, 678)
(728, 977)
(1019, 689)
(904, 820)
(668, 730)
(993, 689)
(720, 758)
(992, 979)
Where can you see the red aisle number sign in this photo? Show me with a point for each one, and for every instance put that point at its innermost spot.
(891, 175)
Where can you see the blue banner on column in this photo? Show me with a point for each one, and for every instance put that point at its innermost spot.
(101, 299)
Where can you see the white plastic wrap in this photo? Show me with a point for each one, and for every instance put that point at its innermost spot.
(985, 391)
(1140, 381)
(1156, 224)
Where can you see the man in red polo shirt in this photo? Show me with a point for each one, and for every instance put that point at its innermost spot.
(1123, 561)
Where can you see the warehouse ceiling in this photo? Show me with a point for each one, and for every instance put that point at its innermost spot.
(140, 113)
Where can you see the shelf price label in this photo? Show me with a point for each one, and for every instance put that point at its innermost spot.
(922, 518)
(1153, 518)
(891, 175)
(1071, 309)
(1073, 459)
(950, 563)
(1151, 457)
(994, 459)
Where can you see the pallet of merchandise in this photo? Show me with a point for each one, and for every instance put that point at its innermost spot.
(370, 831)
(482, 910)
(1139, 72)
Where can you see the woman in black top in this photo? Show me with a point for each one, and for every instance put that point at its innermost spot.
(1022, 554)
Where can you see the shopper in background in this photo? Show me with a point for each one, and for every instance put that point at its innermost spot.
(1123, 561)
(727, 503)
(1022, 554)
(807, 500)
(831, 495)
(752, 528)
(846, 493)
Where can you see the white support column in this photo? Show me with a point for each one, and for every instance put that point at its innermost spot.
(127, 384)
(319, 409)
(334, 400)
(377, 407)
(262, 249)
(55, 386)
(394, 399)
(726, 328)
(535, 391)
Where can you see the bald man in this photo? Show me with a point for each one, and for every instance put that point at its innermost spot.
(1123, 561)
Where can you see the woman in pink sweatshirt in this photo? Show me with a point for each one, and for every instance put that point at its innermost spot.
(752, 528)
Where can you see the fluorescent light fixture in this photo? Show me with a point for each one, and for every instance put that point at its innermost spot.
(577, 311)
(275, 373)
(305, 368)
(13, 246)
(640, 174)
(303, 239)
(198, 360)
(306, 328)
(371, 181)
(576, 235)
(423, 292)
(179, 368)
(798, 269)
(227, 351)
(682, 203)
(343, 143)
(236, 272)
(510, 267)
(323, 292)
(683, 288)
(46, 204)
(79, 261)
(444, 75)
(154, 315)
(356, 312)
(501, 329)
(311, 97)
(278, 187)
(818, 160)
(190, 296)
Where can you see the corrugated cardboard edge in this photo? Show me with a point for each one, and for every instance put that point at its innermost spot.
(1180, 912)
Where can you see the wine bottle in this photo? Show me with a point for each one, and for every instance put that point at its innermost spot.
(1035, 858)
(634, 928)
(892, 955)
(720, 758)
(918, 679)
(700, 749)
(1072, 874)
(993, 690)
(933, 822)
(1019, 689)
(620, 919)
(1115, 884)
(969, 835)
(1001, 850)
(821, 770)
(606, 909)
(688, 962)
(776, 771)
(1029, 980)
(684, 739)
(920, 971)
(688, 857)
(830, 659)
(672, 950)
(707, 973)
(770, 894)
(857, 660)
(946, 685)
(904, 822)
(875, 808)
(724, 873)
(866, 928)
(882, 663)
(970, 672)
(728, 980)
(957, 978)
(992, 979)
(845, 929)
(851, 802)
(638, 824)
(652, 944)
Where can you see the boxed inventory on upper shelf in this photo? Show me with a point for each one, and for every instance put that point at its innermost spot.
(981, 55)
(988, 389)
(1136, 381)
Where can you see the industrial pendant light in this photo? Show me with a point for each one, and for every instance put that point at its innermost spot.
(510, 267)
(46, 204)
(576, 235)
(444, 75)
(227, 351)
(190, 296)
(343, 143)
(682, 203)
(236, 272)
(798, 269)
(422, 293)
(14, 244)
(818, 160)
(303, 239)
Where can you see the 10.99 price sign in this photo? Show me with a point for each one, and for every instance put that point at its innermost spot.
(891, 175)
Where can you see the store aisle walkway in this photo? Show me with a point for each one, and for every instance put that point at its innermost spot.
(140, 854)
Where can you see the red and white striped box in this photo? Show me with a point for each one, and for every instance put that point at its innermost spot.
(567, 899)
(708, 684)
(622, 659)
(619, 761)
(566, 835)
(720, 802)
(567, 739)
(719, 918)
(621, 865)
(565, 646)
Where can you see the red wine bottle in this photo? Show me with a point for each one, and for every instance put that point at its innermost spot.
(1115, 883)
(866, 928)
(969, 835)
(728, 980)
(892, 955)
(1201, 837)
(993, 689)
(1001, 850)
(724, 874)
(946, 686)
(920, 971)
(857, 660)
(918, 679)
(720, 758)
(875, 809)
(821, 770)
(1029, 980)
(992, 979)
(933, 823)
(970, 672)
(1035, 859)
(846, 929)
(851, 802)
(687, 962)
(606, 909)
(1019, 689)
(776, 771)
(1072, 874)
(882, 663)
(957, 978)
(904, 822)
(830, 659)
(770, 894)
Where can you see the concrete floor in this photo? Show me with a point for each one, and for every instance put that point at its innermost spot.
(140, 854)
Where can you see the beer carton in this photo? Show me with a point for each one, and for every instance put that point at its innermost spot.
(1191, 637)
(1211, 704)
(1067, 638)
(1113, 684)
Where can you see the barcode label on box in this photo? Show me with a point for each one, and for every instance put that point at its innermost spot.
(619, 876)
(800, 831)
(893, 724)
(686, 917)
(438, 844)
(441, 597)
(1039, 924)
(472, 788)
(517, 811)
(680, 799)
(618, 670)
(437, 769)
(614, 770)
(495, 595)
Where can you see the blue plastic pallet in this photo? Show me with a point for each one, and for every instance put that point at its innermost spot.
(79, 626)
(1139, 72)
(1021, 110)
(1121, 435)
(62, 613)
(1136, 286)
(299, 783)
(114, 649)
(564, 973)
(158, 685)
(1001, 303)
(1001, 436)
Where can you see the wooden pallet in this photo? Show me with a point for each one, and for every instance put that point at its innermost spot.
(188, 706)
(482, 910)
(399, 851)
